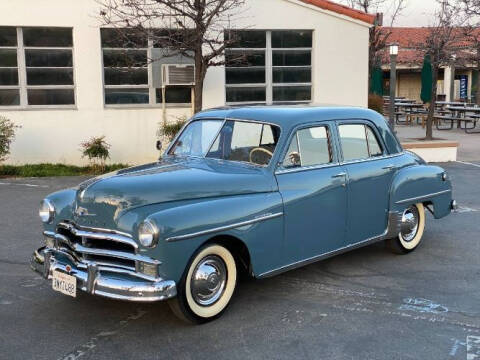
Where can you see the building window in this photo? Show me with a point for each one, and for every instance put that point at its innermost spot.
(133, 70)
(268, 67)
(36, 67)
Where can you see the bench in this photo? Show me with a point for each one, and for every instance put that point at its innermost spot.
(397, 117)
(475, 118)
(453, 119)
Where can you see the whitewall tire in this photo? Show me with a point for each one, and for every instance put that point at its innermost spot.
(207, 285)
(412, 228)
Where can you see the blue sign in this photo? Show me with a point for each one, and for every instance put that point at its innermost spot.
(463, 86)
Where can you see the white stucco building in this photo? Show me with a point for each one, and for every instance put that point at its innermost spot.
(56, 83)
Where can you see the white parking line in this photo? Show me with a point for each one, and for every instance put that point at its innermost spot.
(21, 184)
(92, 343)
(473, 347)
(467, 163)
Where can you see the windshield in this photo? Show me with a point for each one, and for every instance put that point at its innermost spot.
(243, 141)
(196, 139)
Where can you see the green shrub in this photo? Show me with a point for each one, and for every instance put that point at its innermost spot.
(375, 102)
(169, 130)
(43, 170)
(97, 150)
(7, 135)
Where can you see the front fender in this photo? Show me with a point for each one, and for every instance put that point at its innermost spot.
(422, 183)
(255, 219)
(64, 202)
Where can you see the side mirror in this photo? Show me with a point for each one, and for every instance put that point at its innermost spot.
(159, 145)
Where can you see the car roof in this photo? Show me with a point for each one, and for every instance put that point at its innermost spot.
(288, 117)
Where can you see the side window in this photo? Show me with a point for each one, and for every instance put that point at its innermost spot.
(358, 142)
(309, 147)
(374, 147)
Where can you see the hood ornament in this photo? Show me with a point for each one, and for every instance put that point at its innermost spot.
(81, 211)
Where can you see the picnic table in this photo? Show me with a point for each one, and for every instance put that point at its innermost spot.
(409, 105)
(459, 115)
(410, 109)
(452, 103)
(403, 100)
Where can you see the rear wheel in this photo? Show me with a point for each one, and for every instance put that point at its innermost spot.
(412, 227)
(207, 285)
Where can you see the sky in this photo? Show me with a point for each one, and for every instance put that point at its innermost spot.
(416, 13)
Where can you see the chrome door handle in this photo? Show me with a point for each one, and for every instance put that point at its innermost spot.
(342, 174)
(389, 167)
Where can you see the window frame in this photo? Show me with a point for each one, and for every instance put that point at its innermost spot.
(269, 68)
(23, 87)
(374, 130)
(224, 121)
(331, 134)
(152, 96)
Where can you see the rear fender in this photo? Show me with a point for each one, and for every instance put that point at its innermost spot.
(422, 184)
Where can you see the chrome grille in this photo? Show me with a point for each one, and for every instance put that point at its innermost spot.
(101, 246)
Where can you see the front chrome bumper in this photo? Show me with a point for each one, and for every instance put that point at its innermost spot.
(110, 282)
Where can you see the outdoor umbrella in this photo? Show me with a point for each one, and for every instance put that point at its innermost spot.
(426, 94)
(376, 81)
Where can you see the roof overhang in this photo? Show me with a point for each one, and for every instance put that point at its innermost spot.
(344, 11)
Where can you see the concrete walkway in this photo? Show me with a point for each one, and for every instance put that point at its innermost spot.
(469, 149)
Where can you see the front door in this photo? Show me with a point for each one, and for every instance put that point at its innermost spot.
(313, 188)
(370, 175)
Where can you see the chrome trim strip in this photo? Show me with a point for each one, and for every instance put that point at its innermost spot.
(305, 168)
(373, 158)
(110, 235)
(99, 280)
(222, 228)
(423, 196)
(324, 256)
(280, 171)
(101, 266)
(95, 229)
(115, 254)
(100, 252)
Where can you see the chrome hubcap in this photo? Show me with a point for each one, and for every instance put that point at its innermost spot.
(410, 220)
(208, 280)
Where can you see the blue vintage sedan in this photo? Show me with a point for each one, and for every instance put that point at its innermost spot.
(259, 190)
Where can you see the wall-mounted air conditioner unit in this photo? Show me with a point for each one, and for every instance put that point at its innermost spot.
(178, 74)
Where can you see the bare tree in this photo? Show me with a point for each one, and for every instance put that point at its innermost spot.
(470, 54)
(379, 37)
(471, 9)
(441, 43)
(192, 28)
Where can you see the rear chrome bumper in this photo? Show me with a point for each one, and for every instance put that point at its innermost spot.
(454, 205)
(110, 282)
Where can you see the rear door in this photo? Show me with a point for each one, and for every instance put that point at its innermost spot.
(313, 187)
(370, 171)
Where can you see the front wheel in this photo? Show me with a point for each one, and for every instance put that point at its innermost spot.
(412, 227)
(207, 285)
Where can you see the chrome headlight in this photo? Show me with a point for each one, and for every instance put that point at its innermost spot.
(46, 211)
(148, 233)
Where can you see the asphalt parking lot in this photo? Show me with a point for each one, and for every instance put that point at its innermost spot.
(366, 304)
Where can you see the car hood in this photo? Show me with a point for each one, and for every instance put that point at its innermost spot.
(107, 197)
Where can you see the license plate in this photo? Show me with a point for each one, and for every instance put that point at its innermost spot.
(64, 283)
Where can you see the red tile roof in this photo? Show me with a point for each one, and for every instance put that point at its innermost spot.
(409, 39)
(342, 9)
